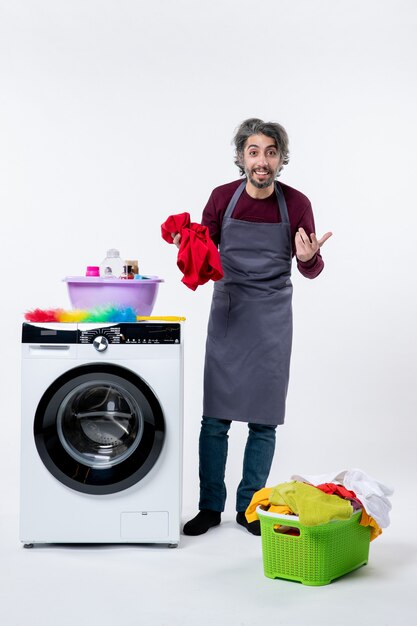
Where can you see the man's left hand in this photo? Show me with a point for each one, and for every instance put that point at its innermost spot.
(306, 247)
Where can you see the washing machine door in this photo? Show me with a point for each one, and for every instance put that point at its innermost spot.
(99, 428)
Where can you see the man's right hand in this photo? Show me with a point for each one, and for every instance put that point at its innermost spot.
(177, 239)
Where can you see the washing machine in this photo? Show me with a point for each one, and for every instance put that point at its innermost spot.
(101, 435)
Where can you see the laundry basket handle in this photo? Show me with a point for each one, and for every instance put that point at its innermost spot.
(279, 516)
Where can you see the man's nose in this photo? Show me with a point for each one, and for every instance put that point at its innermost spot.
(262, 159)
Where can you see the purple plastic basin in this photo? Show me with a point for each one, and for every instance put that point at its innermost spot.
(87, 292)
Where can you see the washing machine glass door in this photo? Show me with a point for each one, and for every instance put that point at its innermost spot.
(100, 423)
(99, 428)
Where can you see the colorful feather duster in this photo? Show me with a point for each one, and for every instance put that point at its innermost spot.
(97, 315)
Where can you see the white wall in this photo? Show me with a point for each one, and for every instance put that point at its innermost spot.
(116, 114)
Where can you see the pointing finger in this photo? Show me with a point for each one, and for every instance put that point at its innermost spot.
(324, 238)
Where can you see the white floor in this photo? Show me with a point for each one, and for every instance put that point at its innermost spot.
(213, 579)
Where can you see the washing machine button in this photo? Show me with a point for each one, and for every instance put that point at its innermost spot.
(100, 343)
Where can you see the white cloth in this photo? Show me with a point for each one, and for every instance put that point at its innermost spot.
(372, 493)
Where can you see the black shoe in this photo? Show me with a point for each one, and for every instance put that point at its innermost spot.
(252, 527)
(201, 523)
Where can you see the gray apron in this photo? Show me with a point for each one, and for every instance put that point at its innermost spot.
(249, 336)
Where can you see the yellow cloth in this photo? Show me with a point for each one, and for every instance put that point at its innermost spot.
(261, 498)
(312, 505)
(367, 520)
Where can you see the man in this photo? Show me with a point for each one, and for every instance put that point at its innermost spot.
(259, 226)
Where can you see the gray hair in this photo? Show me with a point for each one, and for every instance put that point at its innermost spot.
(255, 126)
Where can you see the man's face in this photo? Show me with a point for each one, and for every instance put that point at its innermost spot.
(261, 160)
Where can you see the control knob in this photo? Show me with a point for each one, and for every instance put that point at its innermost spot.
(100, 343)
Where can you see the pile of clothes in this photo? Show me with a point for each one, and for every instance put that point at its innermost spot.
(323, 498)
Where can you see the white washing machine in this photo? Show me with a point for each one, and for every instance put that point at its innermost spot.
(101, 438)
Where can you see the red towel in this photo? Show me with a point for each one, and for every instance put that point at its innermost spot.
(198, 257)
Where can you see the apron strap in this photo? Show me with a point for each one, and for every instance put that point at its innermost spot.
(234, 199)
(283, 211)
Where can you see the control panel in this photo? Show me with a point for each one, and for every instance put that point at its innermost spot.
(102, 336)
(133, 334)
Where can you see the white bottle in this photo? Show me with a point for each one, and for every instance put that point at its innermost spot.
(112, 265)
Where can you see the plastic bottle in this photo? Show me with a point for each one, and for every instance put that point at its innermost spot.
(112, 265)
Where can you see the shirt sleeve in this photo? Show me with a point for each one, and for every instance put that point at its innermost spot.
(211, 219)
(312, 268)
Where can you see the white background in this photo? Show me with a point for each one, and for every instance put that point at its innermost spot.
(116, 114)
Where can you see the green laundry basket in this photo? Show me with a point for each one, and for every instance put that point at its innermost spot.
(316, 556)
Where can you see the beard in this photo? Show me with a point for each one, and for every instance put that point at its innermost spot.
(260, 185)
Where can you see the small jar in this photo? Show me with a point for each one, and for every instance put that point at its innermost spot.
(134, 264)
(92, 270)
(127, 273)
